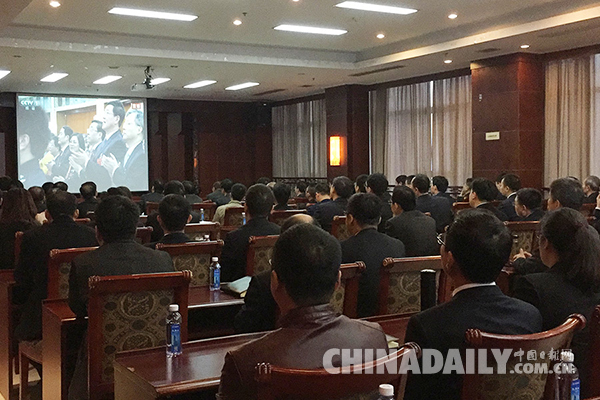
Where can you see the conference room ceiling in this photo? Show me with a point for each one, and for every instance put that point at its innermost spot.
(82, 39)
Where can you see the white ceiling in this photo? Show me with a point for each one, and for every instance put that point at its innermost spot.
(82, 39)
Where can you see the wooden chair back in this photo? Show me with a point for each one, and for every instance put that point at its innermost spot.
(209, 209)
(276, 382)
(143, 234)
(279, 217)
(594, 354)
(339, 229)
(59, 267)
(151, 207)
(524, 236)
(195, 257)
(258, 256)
(587, 209)
(8, 344)
(18, 241)
(196, 232)
(393, 324)
(460, 205)
(233, 217)
(128, 312)
(345, 297)
(515, 386)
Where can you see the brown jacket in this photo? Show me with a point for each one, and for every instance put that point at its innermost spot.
(304, 337)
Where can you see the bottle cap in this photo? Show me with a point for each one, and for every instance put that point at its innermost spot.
(215, 259)
(567, 356)
(386, 390)
(174, 307)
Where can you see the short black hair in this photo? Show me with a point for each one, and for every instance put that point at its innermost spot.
(118, 110)
(343, 186)
(174, 211)
(281, 191)
(568, 192)
(158, 186)
(6, 182)
(264, 180)
(409, 179)
(361, 183)
(365, 208)
(33, 122)
(39, 198)
(238, 191)
(322, 188)
(88, 190)
(421, 183)
(226, 185)
(126, 192)
(512, 181)
(529, 197)
(484, 188)
(61, 203)
(61, 186)
(307, 262)
(500, 177)
(189, 187)
(405, 197)
(401, 179)
(480, 244)
(217, 185)
(441, 183)
(378, 183)
(67, 131)
(47, 186)
(259, 200)
(593, 182)
(301, 186)
(174, 187)
(117, 218)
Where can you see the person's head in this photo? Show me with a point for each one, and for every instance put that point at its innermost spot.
(403, 199)
(238, 191)
(61, 204)
(409, 180)
(300, 188)
(126, 192)
(174, 211)
(39, 198)
(61, 186)
(321, 191)
(189, 187)
(482, 191)
(401, 180)
(53, 146)
(259, 201)
(95, 133)
(64, 136)
(420, 184)
(281, 191)
(226, 185)
(498, 180)
(33, 134)
(88, 190)
(311, 191)
(264, 180)
(342, 187)
(477, 247)
(591, 185)
(360, 184)
(565, 192)
(158, 186)
(116, 219)
(116, 191)
(133, 128)
(114, 113)
(77, 143)
(510, 183)
(363, 211)
(48, 186)
(17, 206)
(439, 184)
(174, 187)
(306, 267)
(6, 182)
(216, 186)
(297, 219)
(377, 184)
(527, 199)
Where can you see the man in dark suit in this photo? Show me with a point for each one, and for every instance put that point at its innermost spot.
(88, 191)
(191, 192)
(483, 191)
(61, 162)
(216, 192)
(31, 273)
(174, 212)
(528, 204)
(306, 270)
(439, 186)
(88, 163)
(154, 196)
(321, 196)
(413, 228)
(341, 190)
(378, 184)
(259, 202)
(477, 247)
(439, 208)
(591, 186)
(509, 186)
(369, 246)
(114, 114)
(225, 196)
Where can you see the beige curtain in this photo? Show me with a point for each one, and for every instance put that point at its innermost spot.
(378, 111)
(451, 130)
(569, 118)
(595, 117)
(300, 140)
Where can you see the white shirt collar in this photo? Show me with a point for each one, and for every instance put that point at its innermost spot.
(471, 285)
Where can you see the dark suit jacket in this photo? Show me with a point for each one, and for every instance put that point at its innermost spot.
(214, 195)
(591, 198)
(31, 174)
(152, 197)
(171, 238)
(372, 248)
(536, 215)
(490, 207)
(31, 273)
(326, 210)
(259, 312)
(233, 255)
(530, 265)
(7, 241)
(114, 145)
(310, 210)
(135, 171)
(386, 211)
(445, 196)
(557, 298)
(443, 327)
(439, 208)
(118, 258)
(193, 198)
(87, 206)
(61, 163)
(305, 335)
(508, 208)
(417, 231)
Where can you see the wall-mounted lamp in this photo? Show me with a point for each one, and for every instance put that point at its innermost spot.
(335, 151)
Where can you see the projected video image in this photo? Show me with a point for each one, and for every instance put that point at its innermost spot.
(77, 139)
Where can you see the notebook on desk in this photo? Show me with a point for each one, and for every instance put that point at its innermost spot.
(238, 287)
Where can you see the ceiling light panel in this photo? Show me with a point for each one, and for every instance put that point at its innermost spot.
(57, 76)
(3, 73)
(243, 86)
(355, 5)
(310, 29)
(107, 79)
(131, 12)
(199, 84)
(158, 81)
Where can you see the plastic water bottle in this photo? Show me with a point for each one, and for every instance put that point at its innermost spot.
(215, 274)
(202, 214)
(386, 392)
(243, 218)
(174, 331)
(567, 384)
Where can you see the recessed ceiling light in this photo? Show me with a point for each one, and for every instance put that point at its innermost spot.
(107, 79)
(242, 86)
(158, 81)
(355, 5)
(199, 84)
(310, 29)
(152, 14)
(54, 4)
(3, 73)
(57, 76)
(447, 61)
(237, 22)
(380, 36)
(524, 46)
(295, 1)
(453, 16)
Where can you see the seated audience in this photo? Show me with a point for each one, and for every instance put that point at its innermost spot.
(498, 182)
(155, 195)
(264, 180)
(62, 186)
(281, 191)
(528, 204)
(360, 184)
(191, 192)
(225, 197)
(466, 191)
(310, 193)
(570, 248)
(482, 194)
(401, 180)
(369, 246)
(321, 196)
(18, 214)
(439, 186)
(171, 187)
(300, 189)
(341, 190)
(89, 192)
(477, 247)
(174, 212)
(31, 273)
(413, 228)
(216, 192)
(306, 270)
(439, 208)
(378, 184)
(591, 186)
(259, 202)
(509, 186)
(39, 199)
(238, 191)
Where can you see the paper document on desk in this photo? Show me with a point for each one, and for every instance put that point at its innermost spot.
(392, 342)
(238, 287)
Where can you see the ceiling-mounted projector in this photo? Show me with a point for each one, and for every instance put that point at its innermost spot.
(146, 84)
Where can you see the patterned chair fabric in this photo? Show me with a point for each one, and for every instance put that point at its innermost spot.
(63, 281)
(233, 216)
(512, 386)
(196, 232)
(339, 229)
(337, 300)
(59, 267)
(199, 264)
(405, 293)
(524, 236)
(260, 251)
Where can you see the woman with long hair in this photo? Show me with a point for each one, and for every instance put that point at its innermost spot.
(18, 214)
